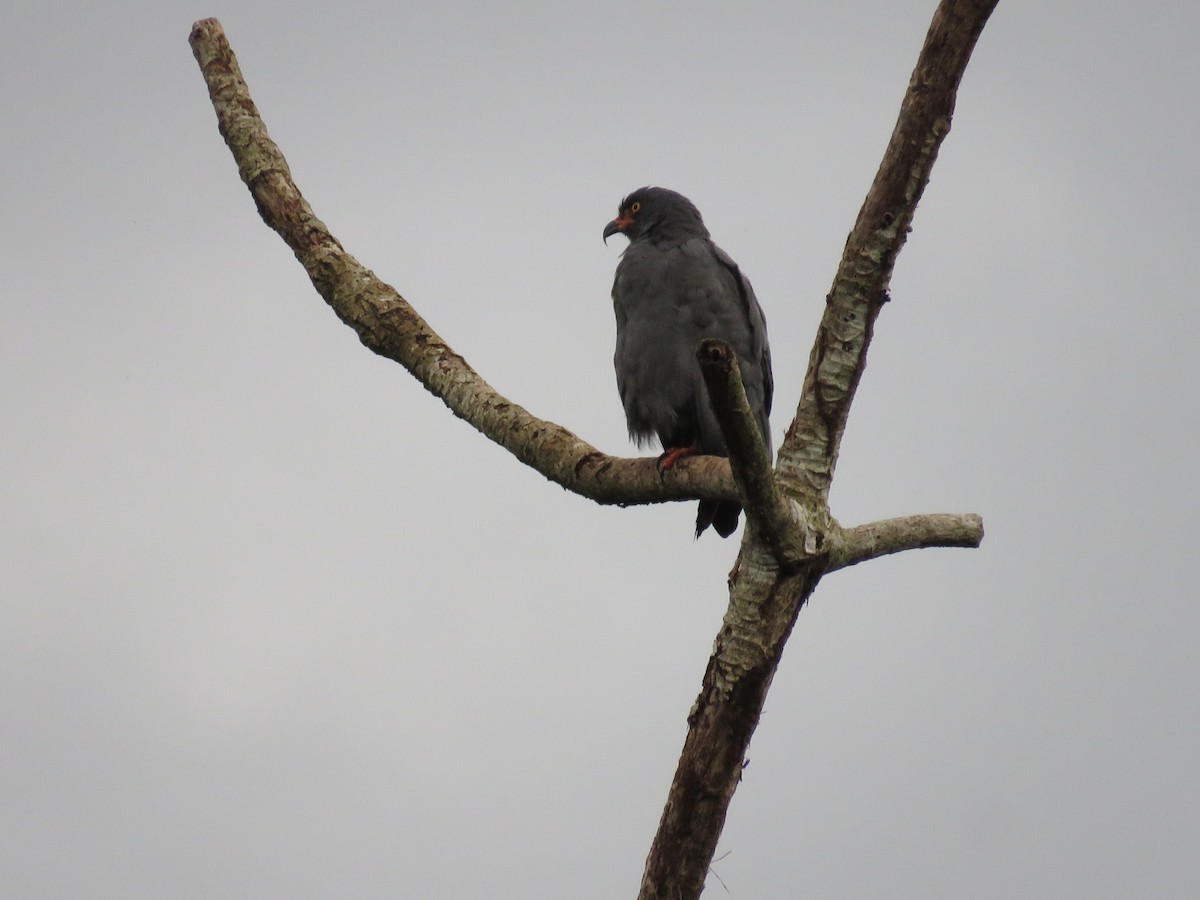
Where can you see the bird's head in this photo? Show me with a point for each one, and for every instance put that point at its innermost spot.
(657, 213)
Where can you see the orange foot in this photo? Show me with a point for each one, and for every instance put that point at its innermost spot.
(673, 455)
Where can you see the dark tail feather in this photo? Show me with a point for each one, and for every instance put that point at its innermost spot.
(720, 514)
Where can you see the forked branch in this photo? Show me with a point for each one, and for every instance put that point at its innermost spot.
(765, 596)
(792, 540)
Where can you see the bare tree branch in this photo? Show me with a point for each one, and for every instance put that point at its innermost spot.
(388, 324)
(765, 600)
(771, 515)
(792, 540)
(809, 453)
(863, 542)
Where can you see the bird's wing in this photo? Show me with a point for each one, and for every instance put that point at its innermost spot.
(760, 349)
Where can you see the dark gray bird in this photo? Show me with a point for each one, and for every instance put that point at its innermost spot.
(674, 287)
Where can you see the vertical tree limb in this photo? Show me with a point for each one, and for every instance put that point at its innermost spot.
(809, 452)
(764, 601)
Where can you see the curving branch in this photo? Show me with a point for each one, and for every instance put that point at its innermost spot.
(792, 540)
(388, 324)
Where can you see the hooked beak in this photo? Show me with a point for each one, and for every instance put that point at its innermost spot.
(616, 226)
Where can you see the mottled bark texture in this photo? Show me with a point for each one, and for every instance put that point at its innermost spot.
(791, 539)
(388, 324)
(769, 514)
(768, 590)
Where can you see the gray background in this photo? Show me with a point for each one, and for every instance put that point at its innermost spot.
(274, 624)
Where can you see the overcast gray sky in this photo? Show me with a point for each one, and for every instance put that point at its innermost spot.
(274, 624)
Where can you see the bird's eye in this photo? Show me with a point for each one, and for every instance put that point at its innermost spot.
(635, 206)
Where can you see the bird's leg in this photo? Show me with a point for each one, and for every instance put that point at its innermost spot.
(672, 455)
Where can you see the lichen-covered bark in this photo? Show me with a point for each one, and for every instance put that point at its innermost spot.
(770, 516)
(854, 545)
(765, 598)
(390, 326)
(808, 456)
(763, 606)
(791, 539)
